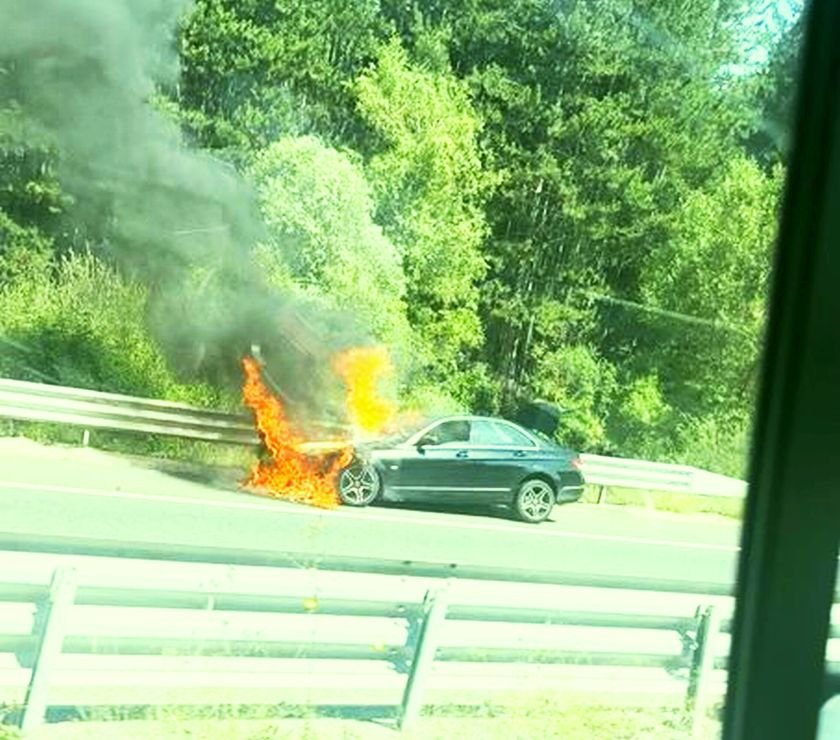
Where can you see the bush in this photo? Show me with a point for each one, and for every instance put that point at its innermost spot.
(82, 325)
(24, 252)
(323, 240)
(719, 445)
(574, 378)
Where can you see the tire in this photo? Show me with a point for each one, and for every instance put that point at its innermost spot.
(358, 484)
(534, 500)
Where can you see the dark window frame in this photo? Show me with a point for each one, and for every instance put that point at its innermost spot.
(788, 562)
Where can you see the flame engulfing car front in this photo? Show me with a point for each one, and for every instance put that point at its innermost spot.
(465, 460)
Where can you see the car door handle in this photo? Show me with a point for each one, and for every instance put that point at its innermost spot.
(519, 453)
(462, 454)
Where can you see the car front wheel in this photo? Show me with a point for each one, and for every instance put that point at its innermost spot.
(534, 500)
(358, 484)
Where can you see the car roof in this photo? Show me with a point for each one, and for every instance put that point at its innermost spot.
(473, 417)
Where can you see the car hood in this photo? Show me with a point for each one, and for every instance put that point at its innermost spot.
(384, 443)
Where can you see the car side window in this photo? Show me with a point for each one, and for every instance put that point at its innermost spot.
(450, 432)
(510, 435)
(485, 433)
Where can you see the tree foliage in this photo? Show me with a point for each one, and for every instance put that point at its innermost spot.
(323, 240)
(603, 121)
(567, 200)
(776, 85)
(257, 70)
(429, 186)
(82, 325)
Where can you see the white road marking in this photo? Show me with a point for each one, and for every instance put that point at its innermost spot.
(366, 515)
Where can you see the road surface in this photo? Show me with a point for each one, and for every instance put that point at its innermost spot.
(90, 496)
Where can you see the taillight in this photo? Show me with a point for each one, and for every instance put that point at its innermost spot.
(576, 463)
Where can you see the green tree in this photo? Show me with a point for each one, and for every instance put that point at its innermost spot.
(257, 70)
(601, 121)
(24, 251)
(776, 89)
(323, 241)
(714, 272)
(429, 187)
(30, 192)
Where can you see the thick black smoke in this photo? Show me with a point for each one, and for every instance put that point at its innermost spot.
(84, 73)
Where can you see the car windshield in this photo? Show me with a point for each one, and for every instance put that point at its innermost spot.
(248, 250)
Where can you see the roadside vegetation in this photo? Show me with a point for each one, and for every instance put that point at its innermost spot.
(521, 199)
(678, 503)
(531, 720)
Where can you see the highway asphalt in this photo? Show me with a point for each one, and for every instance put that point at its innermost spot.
(90, 496)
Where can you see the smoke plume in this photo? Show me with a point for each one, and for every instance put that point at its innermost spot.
(85, 74)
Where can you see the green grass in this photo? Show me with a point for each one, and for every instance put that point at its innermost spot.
(679, 503)
(148, 446)
(8, 713)
(544, 719)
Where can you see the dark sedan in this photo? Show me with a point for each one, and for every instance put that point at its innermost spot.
(466, 460)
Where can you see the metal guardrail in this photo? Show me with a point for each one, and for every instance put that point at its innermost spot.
(85, 630)
(27, 401)
(653, 476)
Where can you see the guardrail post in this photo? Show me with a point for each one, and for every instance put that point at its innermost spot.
(702, 665)
(434, 614)
(602, 495)
(48, 648)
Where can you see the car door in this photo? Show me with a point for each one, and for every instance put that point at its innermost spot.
(435, 469)
(499, 459)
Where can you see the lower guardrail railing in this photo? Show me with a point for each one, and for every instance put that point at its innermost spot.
(89, 630)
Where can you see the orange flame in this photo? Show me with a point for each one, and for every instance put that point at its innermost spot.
(363, 369)
(291, 473)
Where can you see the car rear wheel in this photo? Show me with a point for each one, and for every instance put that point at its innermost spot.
(358, 484)
(534, 500)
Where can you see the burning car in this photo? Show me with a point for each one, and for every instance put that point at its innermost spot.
(471, 460)
(455, 460)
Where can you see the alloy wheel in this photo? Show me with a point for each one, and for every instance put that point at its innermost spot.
(535, 500)
(358, 485)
